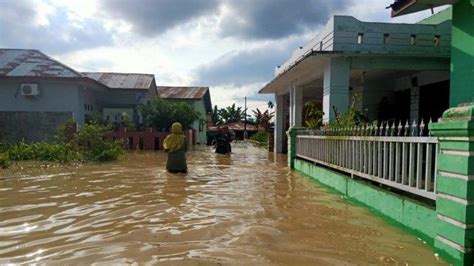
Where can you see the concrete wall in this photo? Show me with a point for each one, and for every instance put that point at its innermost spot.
(201, 130)
(31, 126)
(37, 117)
(408, 213)
(53, 97)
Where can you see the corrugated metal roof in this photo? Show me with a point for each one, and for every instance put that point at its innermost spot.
(122, 80)
(32, 63)
(191, 93)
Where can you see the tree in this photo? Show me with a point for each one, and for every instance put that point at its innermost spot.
(263, 119)
(313, 116)
(160, 114)
(231, 114)
(216, 120)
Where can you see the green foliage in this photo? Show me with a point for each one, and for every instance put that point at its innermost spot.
(86, 145)
(4, 161)
(160, 114)
(261, 137)
(66, 131)
(97, 118)
(313, 116)
(351, 118)
(231, 114)
(92, 145)
(43, 151)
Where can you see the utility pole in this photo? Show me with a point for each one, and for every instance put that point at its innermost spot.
(245, 118)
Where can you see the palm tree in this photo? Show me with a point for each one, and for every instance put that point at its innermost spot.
(263, 119)
(231, 114)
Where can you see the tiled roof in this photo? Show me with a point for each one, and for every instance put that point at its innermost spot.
(32, 63)
(192, 93)
(122, 80)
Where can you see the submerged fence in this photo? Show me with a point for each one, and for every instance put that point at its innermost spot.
(403, 157)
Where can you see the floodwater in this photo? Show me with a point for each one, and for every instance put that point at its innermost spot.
(246, 208)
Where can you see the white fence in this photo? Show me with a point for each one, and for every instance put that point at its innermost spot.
(406, 163)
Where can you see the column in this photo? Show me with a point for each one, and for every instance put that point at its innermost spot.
(279, 129)
(414, 103)
(336, 88)
(455, 184)
(296, 106)
(291, 110)
(462, 53)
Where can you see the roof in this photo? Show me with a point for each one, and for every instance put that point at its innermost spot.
(186, 93)
(33, 63)
(239, 126)
(122, 80)
(403, 7)
(191, 93)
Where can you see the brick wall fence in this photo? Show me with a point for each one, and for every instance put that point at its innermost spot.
(145, 140)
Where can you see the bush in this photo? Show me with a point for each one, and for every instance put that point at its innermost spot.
(87, 145)
(4, 161)
(261, 137)
(43, 151)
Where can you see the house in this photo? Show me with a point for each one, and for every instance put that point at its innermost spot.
(125, 92)
(38, 93)
(199, 97)
(390, 71)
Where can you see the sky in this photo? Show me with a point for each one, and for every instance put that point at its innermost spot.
(231, 46)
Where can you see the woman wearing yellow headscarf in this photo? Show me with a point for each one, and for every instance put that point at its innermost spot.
(175, 145)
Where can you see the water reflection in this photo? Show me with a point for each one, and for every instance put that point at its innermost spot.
(246, 208)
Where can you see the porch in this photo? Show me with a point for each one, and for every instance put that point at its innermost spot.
(390, 72)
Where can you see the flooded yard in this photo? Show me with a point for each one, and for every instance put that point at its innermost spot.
(243, 209)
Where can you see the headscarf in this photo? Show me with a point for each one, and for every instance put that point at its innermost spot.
(176, 139)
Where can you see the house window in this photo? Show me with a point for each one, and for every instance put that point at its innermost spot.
(360, 38)
(413, 39)
(85, 107)
(386, 38)
(108, 118)
(437, 40)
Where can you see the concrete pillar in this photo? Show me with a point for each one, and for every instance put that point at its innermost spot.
(296, 104)
(336, 88)
(462, 53)
(290, 108)
(455, 184)
(279, 129)
(292, 132)
(414, 103)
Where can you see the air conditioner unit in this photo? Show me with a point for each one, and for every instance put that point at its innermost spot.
(29, 89)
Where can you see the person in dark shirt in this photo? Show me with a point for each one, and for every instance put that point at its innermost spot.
(223, 140)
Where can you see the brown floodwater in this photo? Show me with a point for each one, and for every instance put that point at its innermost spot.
(246, 208)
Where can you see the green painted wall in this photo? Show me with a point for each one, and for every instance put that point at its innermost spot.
(439, 17)
(200, 130)
(406, 212)
(462, 54)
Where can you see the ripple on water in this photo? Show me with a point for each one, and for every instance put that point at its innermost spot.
(246, 208)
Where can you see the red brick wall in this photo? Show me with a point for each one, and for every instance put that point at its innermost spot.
(148, 138)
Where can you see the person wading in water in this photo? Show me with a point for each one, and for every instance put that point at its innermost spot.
(223, 140)
(175, 145)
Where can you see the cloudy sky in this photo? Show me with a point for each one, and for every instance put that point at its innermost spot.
(232, 46)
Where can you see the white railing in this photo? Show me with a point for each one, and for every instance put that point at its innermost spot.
(407, 163)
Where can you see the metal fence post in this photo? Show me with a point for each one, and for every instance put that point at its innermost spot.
(455, 183)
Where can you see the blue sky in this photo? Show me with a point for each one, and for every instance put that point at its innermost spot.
(232, 46)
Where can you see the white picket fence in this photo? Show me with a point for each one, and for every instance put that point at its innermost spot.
(407, 163)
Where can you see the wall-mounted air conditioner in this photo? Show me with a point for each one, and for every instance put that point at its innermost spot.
(29, 89)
